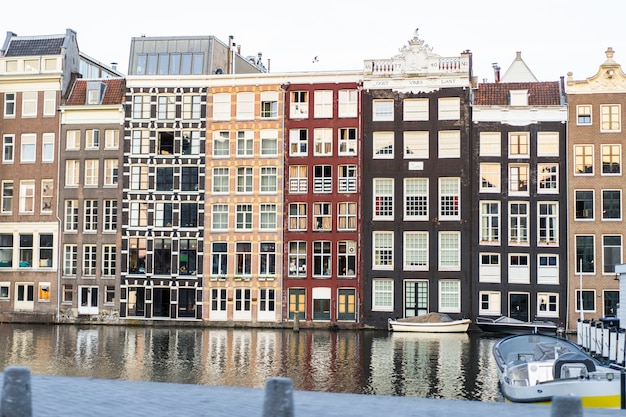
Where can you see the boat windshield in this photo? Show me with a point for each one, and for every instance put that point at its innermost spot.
(531, 348)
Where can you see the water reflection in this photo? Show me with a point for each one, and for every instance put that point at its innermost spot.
(454, 366)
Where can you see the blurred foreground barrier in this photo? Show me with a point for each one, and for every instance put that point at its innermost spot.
(16, 393)
(24, 395)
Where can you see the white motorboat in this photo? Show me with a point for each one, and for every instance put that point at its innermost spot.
(510, 325)
(430, 323)
(534, 368)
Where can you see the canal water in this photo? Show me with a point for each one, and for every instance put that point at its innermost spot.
(452, 366)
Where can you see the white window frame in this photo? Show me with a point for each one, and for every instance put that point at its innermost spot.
(382, 294)
(323, 104)
(221, 137)
(348, 103)
(29, 103)
(490, 223)
(415, 109)
(448, 108)
(347, 141)
(269, 142)
(519, 223)
(221, 106)
(219, 217)
(519, 145)
(92, 173)
(383, 190)
(47, 147)
(490, 144)
(8, 148)
(416, 199)
(552, 223)
(490, 171)
(612, 157)
(449, 249)
(493, 303)
(449, 299)
(298, 142)
(416, 144)
(548, 178)
(297, 220)
(28, 147)
(584, 111)
(245, 143)
(416, 253)
(382, 110)
(610, 118)
(382, 250)
(583, 158)
(449, 196)
(383, 145)
(548, 271)
(322, 142)
(72, 173)
(27, 197)
(245, 106)
(548, 143)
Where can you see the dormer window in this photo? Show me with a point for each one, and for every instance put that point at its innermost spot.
(95, 92)
(518, 97)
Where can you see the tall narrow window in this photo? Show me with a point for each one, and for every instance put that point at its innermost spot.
(416, 198)
(518, 222)
(9, 105)
(449, 198)
(489, 222)
(383, 198)
(548, 223)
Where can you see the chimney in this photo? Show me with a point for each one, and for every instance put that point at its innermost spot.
(114, 66)
(496, 72)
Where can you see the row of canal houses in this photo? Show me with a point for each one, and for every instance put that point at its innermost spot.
(202, 188)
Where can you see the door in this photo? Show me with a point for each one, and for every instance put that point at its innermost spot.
(88, 300)
(296, 303)
(518, 306)
(25, 297)
(415, 298)
(346, 305)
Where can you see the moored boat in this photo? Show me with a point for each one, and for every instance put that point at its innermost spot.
(510, 325)
(534, 368)
(430, 323)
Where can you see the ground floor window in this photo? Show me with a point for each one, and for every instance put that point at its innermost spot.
(382, 295)
(588, 300)
(449, 296)
(489, 303)
(548, 304)
(187, 302)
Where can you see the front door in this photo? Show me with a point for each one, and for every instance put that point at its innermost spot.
(25, 299)
(415, 298)
(518, 305)
(88, 300)
(346, 304)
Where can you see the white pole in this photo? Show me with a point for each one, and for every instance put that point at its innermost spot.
(582, 315)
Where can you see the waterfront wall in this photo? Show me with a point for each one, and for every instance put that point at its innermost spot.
(26, 395)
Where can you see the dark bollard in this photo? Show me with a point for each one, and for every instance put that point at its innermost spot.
(278, 398)
(16, 393)
(566, 406)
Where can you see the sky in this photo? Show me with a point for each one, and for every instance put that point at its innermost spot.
(554, 36)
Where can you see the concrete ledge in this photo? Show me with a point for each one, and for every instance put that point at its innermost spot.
(67, 396)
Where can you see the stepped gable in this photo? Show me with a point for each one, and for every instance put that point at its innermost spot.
(539, 93)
